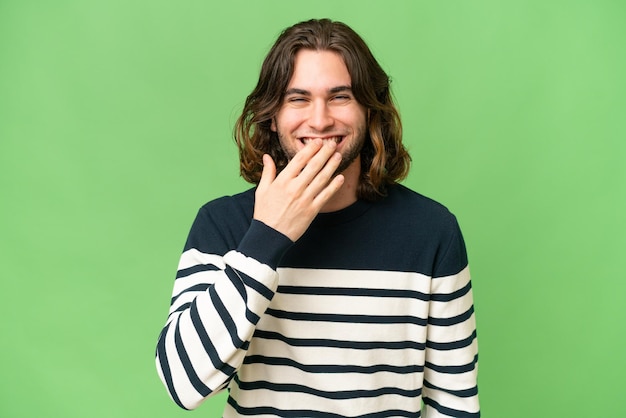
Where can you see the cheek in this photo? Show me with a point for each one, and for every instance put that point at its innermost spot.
(287, 121)
(352, 115)
(358, 120)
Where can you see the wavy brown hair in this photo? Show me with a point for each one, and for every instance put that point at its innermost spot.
(384, 159)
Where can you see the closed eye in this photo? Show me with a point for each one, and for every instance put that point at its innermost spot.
(296, 100)
(341, 99)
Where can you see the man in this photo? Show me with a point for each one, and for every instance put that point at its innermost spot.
(328, 290)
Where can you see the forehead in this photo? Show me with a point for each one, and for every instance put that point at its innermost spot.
(315, 69)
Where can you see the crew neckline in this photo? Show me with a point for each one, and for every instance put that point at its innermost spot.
(342, 215)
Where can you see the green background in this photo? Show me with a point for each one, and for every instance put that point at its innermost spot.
(115, 126)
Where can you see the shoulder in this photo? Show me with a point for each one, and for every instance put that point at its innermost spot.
(243, 201)
(225, 219)
(427, 227)
(413, 207)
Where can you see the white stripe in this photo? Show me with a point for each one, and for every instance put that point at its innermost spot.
(337, 356)
(366, 279)
(203, 277)
(458, 357)
(451, 308)
(252, 268)
(193, 257)
(296, 401)
(450, 284)
(451, 333)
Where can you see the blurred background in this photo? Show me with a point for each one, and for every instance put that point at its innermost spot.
(116, 126)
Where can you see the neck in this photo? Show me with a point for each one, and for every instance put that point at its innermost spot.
(347, 194)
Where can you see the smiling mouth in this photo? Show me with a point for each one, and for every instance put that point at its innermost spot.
(336, 139)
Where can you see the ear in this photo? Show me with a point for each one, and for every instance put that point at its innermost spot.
(273, 125)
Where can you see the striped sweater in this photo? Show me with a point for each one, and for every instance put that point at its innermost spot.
(368, 314)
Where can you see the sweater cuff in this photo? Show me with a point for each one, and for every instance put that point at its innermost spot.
(264, 244)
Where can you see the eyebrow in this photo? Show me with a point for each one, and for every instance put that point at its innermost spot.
(302, 92)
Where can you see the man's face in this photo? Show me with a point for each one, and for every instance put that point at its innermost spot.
(319, 103)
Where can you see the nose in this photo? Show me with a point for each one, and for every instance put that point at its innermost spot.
(320, 117)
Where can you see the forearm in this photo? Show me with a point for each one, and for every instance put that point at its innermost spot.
(216, 304)
(450, 377)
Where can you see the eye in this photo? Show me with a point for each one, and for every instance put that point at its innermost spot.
(341, 97)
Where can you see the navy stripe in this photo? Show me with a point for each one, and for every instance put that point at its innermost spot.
(235, 279)
(357, 319)
(446, 322)
(449, 411)
(346, 291)
(227, 320)
(465, 393)
(454, 345)
(256, 285)
(165, 366)
(447, 297)
(195, 269)
(327, 368)
(240, 280)
(252, 317)
(181, 308)
(356, 345)
(337, 395)
(209, 348)
(464, 368)
(195, 288)
(200, 387)
(309, 413)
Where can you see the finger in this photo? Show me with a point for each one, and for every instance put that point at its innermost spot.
(302, 158)
(329, 191)
(320, 163)
(269, 171)
(324, 175)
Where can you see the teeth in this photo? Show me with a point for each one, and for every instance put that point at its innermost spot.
(337, 139)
